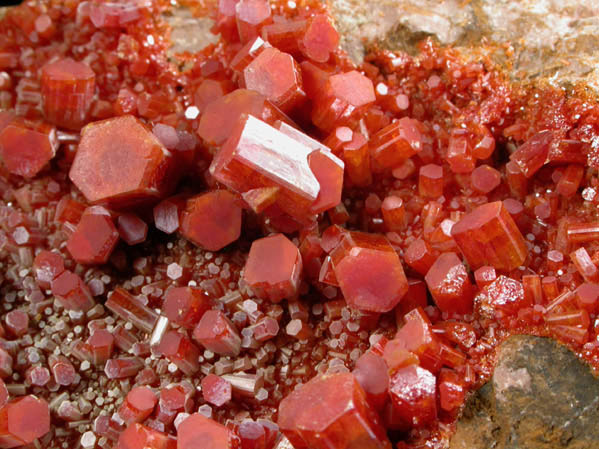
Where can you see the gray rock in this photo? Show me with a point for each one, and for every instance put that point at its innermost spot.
(540, 397)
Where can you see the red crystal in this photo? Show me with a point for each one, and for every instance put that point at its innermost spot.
(331, 411)
(185, 306)
(216, 390)
(417, 336)
(251, 15)
(100, 344)
(450, 285)
(198, 431)
(430, 181)
(218, 334)
(413, 397)
(167, 214)
(212, 220)
(132, 229)
(504, 295)
(343, 97)
(93, 240)
(120, 162)
(138, 436)
(452, 390)
(138, 405)
(62, 369)
(371, 372)
(277, 76)
(489, 236)
(46, 267)
(124, 305)
(221, 116)
(17, 322)
(281, 278)
(320, 39)
(70, 291)
(26, 147)
(23, 420)
(180, 350)
(369, 272)
(67, 92)
(485, 179)
(532, 155)
(395, 143)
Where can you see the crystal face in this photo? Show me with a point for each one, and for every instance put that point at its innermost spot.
(489, 236)
(120, 162)
(67, 90)
(369, 272)
(23, 420)
(212, 220)
(331, 411)
(26, 147)
(257, 155)
(282, 279)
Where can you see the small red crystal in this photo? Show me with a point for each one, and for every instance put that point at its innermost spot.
(100, 344)
(185, 306)
(489, 236)
(277, 76)
(138, 436)
(27, 147)
(371, 372)
(216, 390)
(413, 396)
(93, 240)
(180, 350)
(450, 285)
(532, 154)
(218, 334)
(46, 267)
(132, 229)
(504, 295)
(395, 143)
(320, 39)
(212, 220)
(67, 92)
(281, 278)
(70, 291)
(369, 272)
(138, 405)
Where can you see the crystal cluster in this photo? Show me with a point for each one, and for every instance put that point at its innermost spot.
(262, 245)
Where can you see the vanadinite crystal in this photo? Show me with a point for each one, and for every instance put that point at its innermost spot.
(257, 155)
(26, 147)
(120, 162)
(199, 431)
(94, 239)
(279, 280)
(369, 272)
(489, 236)
(23, 420)
(331, 411)
(67, 92)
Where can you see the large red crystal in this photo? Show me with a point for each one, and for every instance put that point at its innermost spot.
(257, 155)
(212, 220)
(369, 272)
(67, 92)
(277, 76)
(120, 162)
(138, 436)
(23, 420)
(198, 431)
(489, 236)
(281, 277)
(26, 147)
(138, 405)
(397, 142)
(70, 291)
(331, 412)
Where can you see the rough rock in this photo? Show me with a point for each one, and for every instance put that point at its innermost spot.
(540, 397)
(555, 39)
